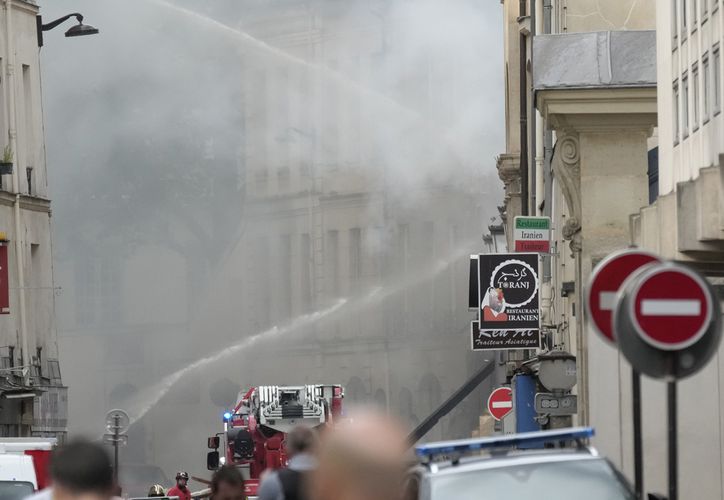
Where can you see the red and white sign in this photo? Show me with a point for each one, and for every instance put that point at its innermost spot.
(605, 282)
(672, 307)
(500, 402)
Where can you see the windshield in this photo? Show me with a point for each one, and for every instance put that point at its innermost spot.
(15, 490)
(568, 480)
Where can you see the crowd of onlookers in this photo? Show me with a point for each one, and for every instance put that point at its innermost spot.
(359, 459)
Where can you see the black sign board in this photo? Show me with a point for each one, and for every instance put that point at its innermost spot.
(503, 339)
(509, 305)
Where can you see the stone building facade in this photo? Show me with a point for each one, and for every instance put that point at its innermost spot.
(34, 400)
(345, 188)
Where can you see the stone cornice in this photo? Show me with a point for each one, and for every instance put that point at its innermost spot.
(32, 203)
(598, 109)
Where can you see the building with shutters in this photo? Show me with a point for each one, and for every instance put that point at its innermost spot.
(33, 399)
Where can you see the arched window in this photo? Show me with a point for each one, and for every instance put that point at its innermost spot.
(429, 394)
(355, 391)
(381, 399)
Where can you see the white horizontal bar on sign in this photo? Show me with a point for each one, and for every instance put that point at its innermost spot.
(670, 307)
(502, 404)
(606, 300)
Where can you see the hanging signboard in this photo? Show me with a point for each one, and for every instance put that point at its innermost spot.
(509, 302)
(488, 340)
(532, 234)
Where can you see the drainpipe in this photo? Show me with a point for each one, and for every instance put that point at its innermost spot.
(581, 343)
(536, 125)
(12, 137)
(544, 191)
(523, 115)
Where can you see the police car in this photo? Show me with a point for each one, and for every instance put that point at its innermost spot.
(519, 466)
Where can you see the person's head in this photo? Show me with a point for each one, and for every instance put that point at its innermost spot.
(81, 469)
(363, 459)
(182, 478)
(301, 439)
(227, 484)
(156, 491)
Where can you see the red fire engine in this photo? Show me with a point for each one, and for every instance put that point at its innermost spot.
(254, 432)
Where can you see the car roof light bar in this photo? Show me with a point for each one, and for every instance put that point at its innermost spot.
(501, 442)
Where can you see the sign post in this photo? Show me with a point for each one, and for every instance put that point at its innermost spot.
(500, 402)
(605, 282)
(532, 234)
(117, 423)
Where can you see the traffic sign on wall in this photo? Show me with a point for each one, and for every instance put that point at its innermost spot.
(500, 402)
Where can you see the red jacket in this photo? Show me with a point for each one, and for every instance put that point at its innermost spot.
(184, 494)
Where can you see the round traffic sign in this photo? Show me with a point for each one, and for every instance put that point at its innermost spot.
(605, 282)
(671, 307)
(668, 321)
(500, 402)
(117, 420)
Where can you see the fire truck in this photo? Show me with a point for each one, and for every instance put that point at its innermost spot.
(255, 430)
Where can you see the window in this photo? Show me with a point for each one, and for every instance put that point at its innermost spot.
(684, 7)
(99, 285)
(285, 271)
(28, 121)
(705, 83)
(685, 105)
(675, 23)
(38, 364)
(331, 256)
(305, 256)
(54, 371)
(30, 176)
(716, 70)
(675, 106)
(695, 97)
(355, 255)
(262, 288)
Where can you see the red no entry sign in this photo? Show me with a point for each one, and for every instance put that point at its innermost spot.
(500, 402)
(606, 279)
(671, 307)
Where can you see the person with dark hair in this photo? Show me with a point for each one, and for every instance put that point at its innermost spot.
(79, 469)
(291, 483)
(227, 484)
(181, 489)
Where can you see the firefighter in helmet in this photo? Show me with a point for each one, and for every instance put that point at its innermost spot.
(156, 491)
(180, 490)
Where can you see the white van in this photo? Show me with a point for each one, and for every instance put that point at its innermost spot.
(17, 476)
(23, 466)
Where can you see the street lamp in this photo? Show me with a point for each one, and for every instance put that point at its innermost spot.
(79, 29)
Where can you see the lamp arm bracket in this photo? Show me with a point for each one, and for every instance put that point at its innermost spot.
(61, 20)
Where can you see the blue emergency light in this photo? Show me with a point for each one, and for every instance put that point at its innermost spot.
(227, 416)
(502, 442)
